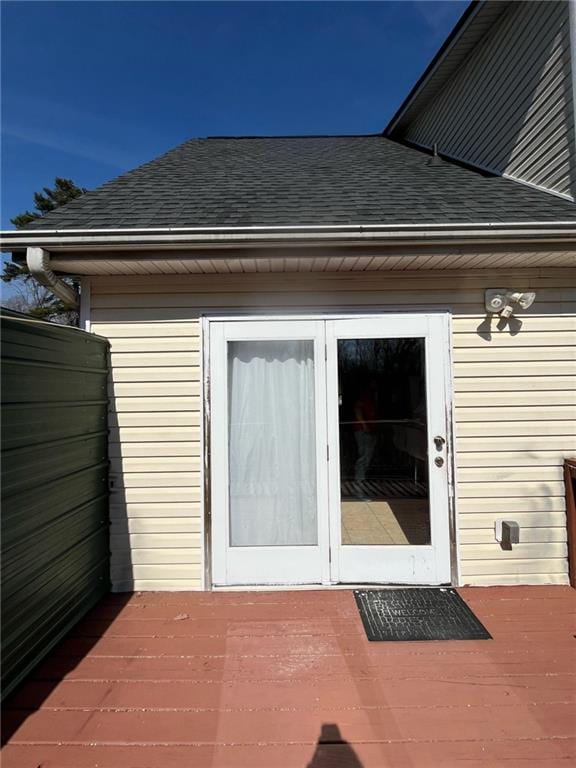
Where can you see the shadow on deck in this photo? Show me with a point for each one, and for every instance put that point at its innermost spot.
(288, 680)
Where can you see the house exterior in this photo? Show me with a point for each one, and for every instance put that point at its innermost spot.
(500, 95)
(311, 382)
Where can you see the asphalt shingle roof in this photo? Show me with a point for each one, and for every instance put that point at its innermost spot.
(302, 180)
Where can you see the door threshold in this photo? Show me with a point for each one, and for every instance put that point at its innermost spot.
(309, 587)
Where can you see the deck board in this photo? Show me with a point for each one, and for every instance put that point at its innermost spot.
(249, 679)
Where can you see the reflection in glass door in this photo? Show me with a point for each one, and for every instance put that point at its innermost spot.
(387, 425)
(383, 442)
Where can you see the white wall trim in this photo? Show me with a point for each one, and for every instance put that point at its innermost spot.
(205, 464)
(451, 438)
(85, 303)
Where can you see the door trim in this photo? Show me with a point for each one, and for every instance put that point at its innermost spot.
(208, 317)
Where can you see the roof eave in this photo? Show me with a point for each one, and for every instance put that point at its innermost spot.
(345, 234)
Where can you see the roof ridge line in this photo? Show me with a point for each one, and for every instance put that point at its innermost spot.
(296, 136)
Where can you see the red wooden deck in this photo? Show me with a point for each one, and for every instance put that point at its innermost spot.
(288, 680)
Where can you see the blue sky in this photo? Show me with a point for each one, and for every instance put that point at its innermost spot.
(92, 89)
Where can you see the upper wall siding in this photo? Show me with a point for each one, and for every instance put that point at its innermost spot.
(515, 409)
(509, 107)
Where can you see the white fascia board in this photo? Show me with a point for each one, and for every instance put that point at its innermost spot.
(345, 234)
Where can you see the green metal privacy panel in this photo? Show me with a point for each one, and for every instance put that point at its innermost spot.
(55, 551)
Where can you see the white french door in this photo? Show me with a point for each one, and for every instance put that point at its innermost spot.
(328, 450)
(268, 452)
(387, 429)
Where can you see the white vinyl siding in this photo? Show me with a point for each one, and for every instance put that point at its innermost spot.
(508, 107)
(514, 392)
(155, 454)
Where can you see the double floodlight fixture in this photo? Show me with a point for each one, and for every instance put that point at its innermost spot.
(503, 302)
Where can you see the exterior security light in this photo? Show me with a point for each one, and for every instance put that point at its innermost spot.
(502, 301)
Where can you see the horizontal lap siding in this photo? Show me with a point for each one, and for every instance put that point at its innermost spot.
(515, 414)
(155, 400)
(508, 107)
(514, 392)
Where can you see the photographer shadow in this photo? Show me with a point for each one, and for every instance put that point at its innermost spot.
(332, 751)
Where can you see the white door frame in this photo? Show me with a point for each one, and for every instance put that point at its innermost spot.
(213, 536)
(396, 564)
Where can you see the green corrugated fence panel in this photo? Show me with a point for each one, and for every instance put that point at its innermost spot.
(76, 599)
(51, 461)
(55, 551)
(58, 536)
(22, 383)
(52, 594)
(23, 511)
(27, 424)
(35, 343)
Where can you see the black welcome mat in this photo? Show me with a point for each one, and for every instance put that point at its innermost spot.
(417, 614)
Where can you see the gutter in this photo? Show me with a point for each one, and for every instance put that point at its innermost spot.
(38, 261)
(258, 236)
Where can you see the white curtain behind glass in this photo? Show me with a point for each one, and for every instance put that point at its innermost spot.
(272, 456)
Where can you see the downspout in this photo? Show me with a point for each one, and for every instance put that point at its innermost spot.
(38, 261)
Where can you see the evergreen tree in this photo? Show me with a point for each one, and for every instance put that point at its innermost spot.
(28, 296)
(48, 200)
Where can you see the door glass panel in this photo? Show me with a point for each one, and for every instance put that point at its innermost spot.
(383, 442)
(272, 443)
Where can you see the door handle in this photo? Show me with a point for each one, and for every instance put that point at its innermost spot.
(439, 442)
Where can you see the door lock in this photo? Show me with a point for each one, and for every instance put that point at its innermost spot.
(439, 461)
(439, 442)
